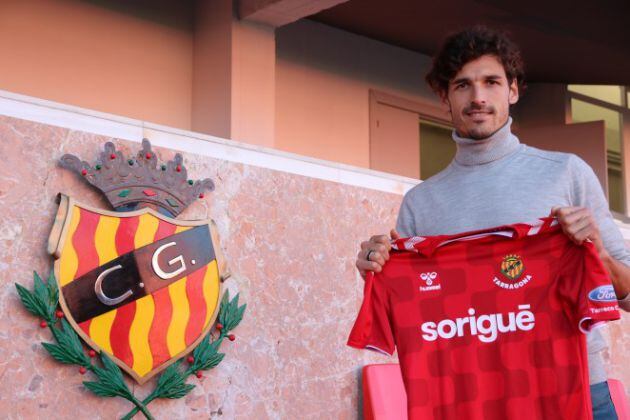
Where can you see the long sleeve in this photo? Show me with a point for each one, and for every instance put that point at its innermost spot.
(406, 224)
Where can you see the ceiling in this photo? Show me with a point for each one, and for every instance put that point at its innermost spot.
(578, 42)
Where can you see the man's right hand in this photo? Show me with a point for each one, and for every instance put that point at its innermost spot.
(377, 249)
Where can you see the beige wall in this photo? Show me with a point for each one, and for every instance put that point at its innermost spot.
(304, 88)
(136, 63)
(541, 104)
(323, 78)
(215, 75)
(307, 93)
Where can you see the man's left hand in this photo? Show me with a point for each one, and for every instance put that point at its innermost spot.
(579, 224)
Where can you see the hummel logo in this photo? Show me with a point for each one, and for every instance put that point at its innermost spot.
(431, 280)
(428, 277)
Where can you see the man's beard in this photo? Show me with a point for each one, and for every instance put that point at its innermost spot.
(481, 134)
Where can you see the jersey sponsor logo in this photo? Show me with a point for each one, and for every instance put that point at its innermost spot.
(512, 268)
(603, 294)
(485, 327)
(604, 309)
(430, 282)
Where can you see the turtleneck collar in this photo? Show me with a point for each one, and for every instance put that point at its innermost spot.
(478, 152)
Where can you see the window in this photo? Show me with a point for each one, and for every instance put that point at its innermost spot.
(606, 93)
(437, 148)
(608, 104)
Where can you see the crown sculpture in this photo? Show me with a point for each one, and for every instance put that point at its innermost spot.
(136, 182)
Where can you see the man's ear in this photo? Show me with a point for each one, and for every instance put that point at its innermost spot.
(445, 102)
(513, 93)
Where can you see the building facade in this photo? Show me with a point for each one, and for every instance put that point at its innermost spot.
(311, 133)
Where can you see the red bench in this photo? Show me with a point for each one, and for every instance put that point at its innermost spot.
(384, 396)
(620, 399)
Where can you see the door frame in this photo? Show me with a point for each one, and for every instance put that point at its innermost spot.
(624, 129)
(424, 110)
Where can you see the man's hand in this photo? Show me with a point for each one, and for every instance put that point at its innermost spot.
(377, 249)
(579, 224)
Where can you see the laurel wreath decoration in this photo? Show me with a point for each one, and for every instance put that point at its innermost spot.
(43, 302)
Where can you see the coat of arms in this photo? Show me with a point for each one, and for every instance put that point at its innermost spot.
(512, 267)
(140, 287)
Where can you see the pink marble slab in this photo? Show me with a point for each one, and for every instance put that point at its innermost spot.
(290, 242)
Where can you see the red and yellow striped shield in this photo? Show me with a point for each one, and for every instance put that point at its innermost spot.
(142, 287)
(512, 267)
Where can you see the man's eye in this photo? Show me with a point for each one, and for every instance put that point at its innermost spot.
(493, 82)
(461, 85)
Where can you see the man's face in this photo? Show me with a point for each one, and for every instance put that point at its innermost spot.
(479, 98)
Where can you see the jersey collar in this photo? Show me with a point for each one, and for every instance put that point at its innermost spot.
(427, 245)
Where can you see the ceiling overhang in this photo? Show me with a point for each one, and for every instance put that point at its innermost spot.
(562, 42)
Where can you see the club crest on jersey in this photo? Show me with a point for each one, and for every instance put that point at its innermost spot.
(512, 268)
(430, 282)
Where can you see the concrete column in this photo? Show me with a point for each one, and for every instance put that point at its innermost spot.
(211, 111)
(233, 93)
(253, 83)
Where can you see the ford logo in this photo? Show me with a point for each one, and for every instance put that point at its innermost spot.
(602, 294)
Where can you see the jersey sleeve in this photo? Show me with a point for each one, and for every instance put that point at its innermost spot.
(372, 328)
(585, 285)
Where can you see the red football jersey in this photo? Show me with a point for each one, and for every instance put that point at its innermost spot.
(488, 324)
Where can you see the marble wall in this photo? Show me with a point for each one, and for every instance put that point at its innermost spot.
(290, 241)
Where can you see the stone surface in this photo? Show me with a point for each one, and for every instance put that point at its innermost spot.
(290, 242)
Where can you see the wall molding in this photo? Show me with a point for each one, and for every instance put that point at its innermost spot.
(77, 118)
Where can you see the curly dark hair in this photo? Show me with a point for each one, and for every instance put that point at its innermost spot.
(468, 45)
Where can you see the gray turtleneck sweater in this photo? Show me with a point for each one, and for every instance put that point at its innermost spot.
(498, 181)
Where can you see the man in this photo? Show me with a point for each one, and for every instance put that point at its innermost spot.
(495, 180)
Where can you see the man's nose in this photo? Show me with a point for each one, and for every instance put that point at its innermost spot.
(478, 96)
